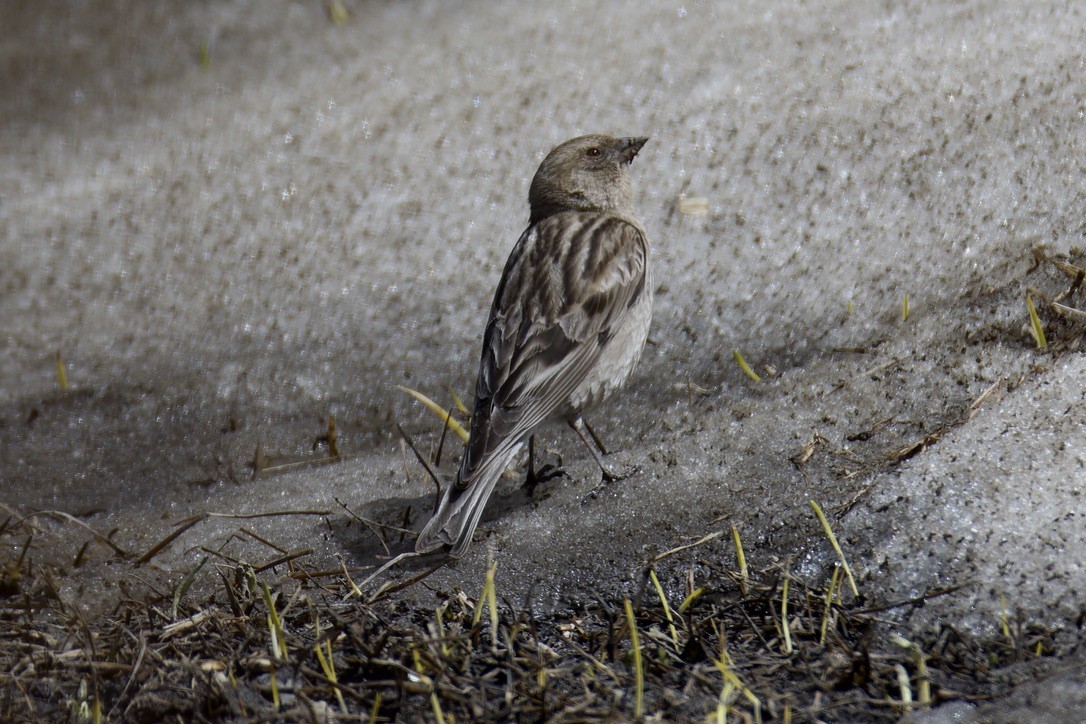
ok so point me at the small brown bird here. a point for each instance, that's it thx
(568, 323)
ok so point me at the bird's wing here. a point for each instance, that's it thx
(566, 289)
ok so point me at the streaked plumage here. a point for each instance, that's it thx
(567, 326)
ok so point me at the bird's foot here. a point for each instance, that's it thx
(544, 474)
(610, 474)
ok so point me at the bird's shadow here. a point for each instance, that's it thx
(375, 532)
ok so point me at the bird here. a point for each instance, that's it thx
(567, 326)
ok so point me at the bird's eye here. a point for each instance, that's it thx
(593, 152)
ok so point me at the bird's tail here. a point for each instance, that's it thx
(461, 507)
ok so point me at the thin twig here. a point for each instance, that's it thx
(421, 459)
(370, 525)
(701, 541)
(72, 519)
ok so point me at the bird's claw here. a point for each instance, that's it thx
(544, 474)
(610, 475)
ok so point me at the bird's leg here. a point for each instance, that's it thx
(595, 437)
(609, 475)
(545, 473)
(530, 479)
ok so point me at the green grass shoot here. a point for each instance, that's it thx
(488, 598)
(439, 716)
(744, 575)
(328, 666)
(275, 624)
(62, 373)
(183, 586)
(923, 678)
(745, 367)
(689, 600)
(724, 704)
(835, 581)
(435, 704)
(836, 546)
(904, 686)
(905, 308)
(1036, 329)
(274, 682)
(639, 672)
(667, 608)
(1004, 620)
(337, 12)
(458, 402)
(442, 413)
(439, 619)
(731, 679)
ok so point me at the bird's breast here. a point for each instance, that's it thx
(618, 358)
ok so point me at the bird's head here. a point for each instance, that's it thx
(587, 173)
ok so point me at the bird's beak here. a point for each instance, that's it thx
(627, 148)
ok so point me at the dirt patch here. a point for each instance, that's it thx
(293, 643)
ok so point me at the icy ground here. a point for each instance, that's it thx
(234, 219)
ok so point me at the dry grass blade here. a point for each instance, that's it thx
(186, 624)
(1074, 272)
(441, 440)
(261, 465)
(389, 587)
(158, 547)
(893, 362)
(786, 627)
(333, 443)
(370, 525)
(983, 397)
(183, 586)
(72, 519)
(271, 514)
(933, 437)
(693, 206)
(285, 558)
(446, 417)
(422, 461)
(701, 541)
(1069, 313)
